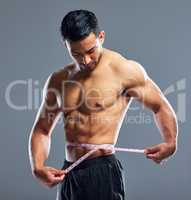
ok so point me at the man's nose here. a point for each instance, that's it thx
(86, 59)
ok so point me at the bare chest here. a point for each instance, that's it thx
(91, 94)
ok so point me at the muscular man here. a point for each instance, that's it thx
(93, 94)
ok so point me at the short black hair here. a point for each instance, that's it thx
(78, 24)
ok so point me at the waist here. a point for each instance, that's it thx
(104, 159)
(76, 150)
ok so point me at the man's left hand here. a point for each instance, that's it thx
(160, 152)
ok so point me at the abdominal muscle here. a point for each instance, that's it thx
(80, 128)
(101, 137)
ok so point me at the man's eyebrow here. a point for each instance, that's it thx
(92, 48)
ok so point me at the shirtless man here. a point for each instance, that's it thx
(93, 94)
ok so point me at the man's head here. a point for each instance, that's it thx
(83, 38)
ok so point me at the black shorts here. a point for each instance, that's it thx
(100, 178)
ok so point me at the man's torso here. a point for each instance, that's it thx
(93, 106)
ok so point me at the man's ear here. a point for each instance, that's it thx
(101, 36)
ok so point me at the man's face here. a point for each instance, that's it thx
(86, 53)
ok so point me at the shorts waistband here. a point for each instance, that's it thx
(92, 161)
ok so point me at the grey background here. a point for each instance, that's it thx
(155, 33)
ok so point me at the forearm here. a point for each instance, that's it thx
(167, 124)
(39, 147)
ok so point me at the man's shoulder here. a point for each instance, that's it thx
(119, 62)
(62, 74)
(127, 69)
(117, 59)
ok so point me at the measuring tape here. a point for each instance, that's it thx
(95, 147)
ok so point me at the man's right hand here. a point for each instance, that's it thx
(49, 176)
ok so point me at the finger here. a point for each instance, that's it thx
(56, 179)
(154, 158)
(59, 175)
(151, 150)
(151, 156)
(60, 172)
(62, 177)
(57, 172)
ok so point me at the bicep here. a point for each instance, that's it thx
(49, 109)
(149, 94)
(140, 86)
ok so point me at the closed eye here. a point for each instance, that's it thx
(91, 51)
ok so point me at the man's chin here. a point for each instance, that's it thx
(87, 67)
